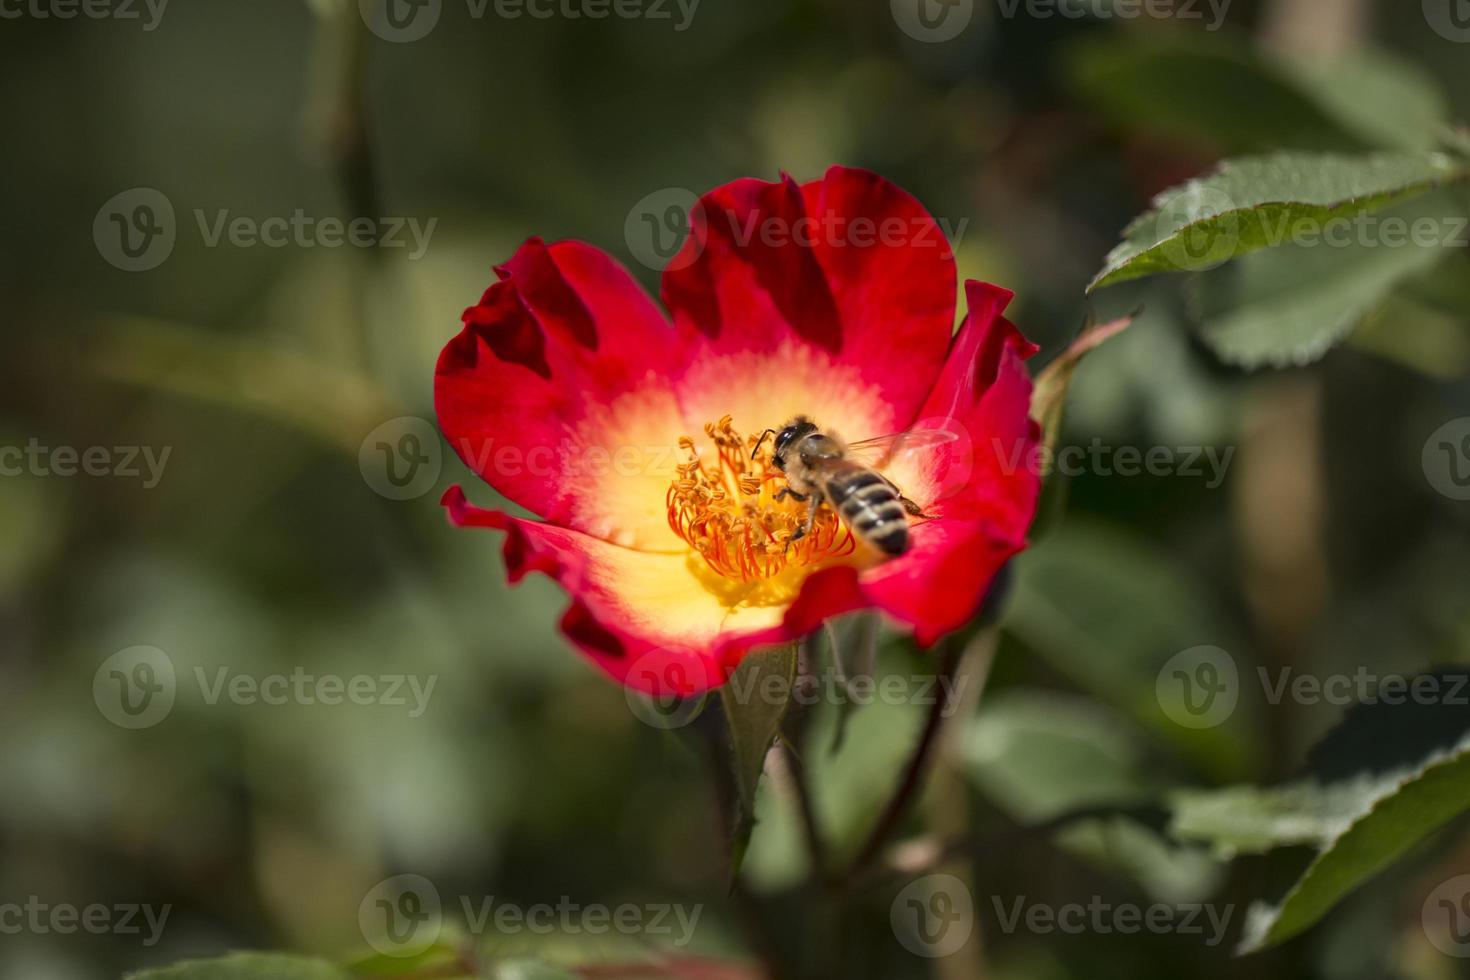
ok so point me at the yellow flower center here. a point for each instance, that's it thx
(726, 508)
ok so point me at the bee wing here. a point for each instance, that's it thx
(882, 450)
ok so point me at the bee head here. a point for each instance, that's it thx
(790, 433)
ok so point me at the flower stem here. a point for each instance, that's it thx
(903, 798)
(811, 827)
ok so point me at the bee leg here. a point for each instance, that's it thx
(812, 503)
(785, 492)
(914, 509)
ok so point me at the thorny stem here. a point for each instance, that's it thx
(787, 765)
(918, 764)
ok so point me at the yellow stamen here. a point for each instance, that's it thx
(726, 509)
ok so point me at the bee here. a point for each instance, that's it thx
(820, 468)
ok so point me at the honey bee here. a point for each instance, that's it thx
(820, 468)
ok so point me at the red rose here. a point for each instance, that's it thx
(569, 391)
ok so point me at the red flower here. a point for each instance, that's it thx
(570, 393)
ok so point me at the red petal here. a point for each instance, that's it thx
(984, 393)
(850, 266)
(974, 358)
(938, 586)
(643, 617)
(563, 365)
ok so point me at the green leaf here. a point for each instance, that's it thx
(438, 958)
(247, 966)
(1108, 610)
(1395, 770)
(1289, 304)
(1043, 756)
(1423, 340)
(1254, 819)
(1040, 755)
(755, 700)
(1167, 871)
(562, 950)
(1255, 202)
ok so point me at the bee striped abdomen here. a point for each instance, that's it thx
(869, 505)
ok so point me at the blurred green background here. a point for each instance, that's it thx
(266, 545)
